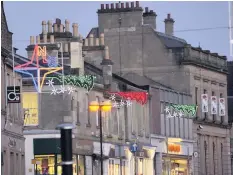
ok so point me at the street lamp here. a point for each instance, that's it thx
(95, 106)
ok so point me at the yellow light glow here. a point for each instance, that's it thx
(94, 106)
(106, 106)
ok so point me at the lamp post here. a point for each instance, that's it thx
(94, 107)
(66, 148)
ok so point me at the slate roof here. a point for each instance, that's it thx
(171, 41)
(167, 40)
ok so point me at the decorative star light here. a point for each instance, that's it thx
(128, 103)
(50, 82)
(62, 89)
(115, 104)
(175, 114)
(113, 97)
(180, 114)
(167, 109)
(54, 91)
(70, 90)
(122, 103)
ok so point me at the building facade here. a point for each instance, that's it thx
(136, 46)
(121, 127)
(230, 103)
(12, 147)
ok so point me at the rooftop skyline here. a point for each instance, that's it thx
(210, 17)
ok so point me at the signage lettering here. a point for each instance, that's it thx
(13, 94)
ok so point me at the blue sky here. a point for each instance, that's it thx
(27, 21)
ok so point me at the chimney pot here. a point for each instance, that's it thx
(137, 4)
(51, 39)
(117, 5)
(86, 42)
(112, 5)
(97, 42)
(50, 30)
(106, 53)
(102, 6)
(67, 25)
(45, 38)
(102, 39)
(91, 38)
(107, 6)
(58, 21)
(151, 11)
(168, 16)
(38, 39)
(122, 5)
(32, 40)
(127, 4)
(75, 29)
(55, 27)
(169, 25)
(147, 9)
(132, 4)
(43, 26)
(61, 28)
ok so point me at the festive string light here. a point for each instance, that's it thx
(86, 81)
(140, 97)
(180, 110)
(122, 103)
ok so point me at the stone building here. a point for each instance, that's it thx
(136, 46)
(230, 102)
(12, 140)
(44, 111)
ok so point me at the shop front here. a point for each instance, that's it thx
(177, 158)
(47, 156)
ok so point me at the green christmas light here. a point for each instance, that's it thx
(85, 81)
(185, 109)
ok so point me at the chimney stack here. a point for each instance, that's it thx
(45, 38)
(67, 25)
(38, 39)
(44, 27)
(75, 29)
(117, 5)
(149, 17)
(112, 5)
(107, 69)
(91, 40)
(102, 6)
(50, 26)
(107, 6)
(169, 25)
(122, 5)
(127, 4)
(137, 4)
(32, 41)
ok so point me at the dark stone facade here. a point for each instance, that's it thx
(6, 39)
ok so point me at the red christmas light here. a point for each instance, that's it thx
(140, 97)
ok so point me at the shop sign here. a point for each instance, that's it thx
(12, 142)
(13, 94)
(174, 148)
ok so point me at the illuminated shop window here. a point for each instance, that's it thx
(30, 106)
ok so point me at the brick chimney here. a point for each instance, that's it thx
(169, 25)
(107, 69)
(131, 15)
(149, 17)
